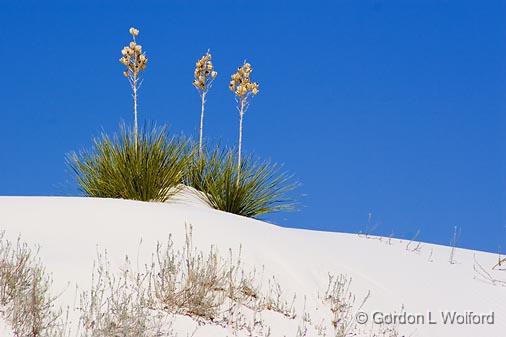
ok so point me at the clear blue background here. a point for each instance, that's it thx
(394, 108)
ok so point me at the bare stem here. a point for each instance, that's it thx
(241, 115)
(134, 88)
(203, 96)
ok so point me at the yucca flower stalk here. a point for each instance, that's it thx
(135, 61)
(204, 76)
(243, 88)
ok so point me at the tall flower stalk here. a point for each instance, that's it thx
(243, 89)
(135, 61)
(204, 76)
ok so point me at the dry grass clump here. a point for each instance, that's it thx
(209, 287)
(336, 314)
(119, 306)
(340, 301)
(492, 276)
(25, 300)
(188, 282)
(338, 317)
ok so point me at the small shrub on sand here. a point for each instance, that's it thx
(119, 305)
(150, 169)
(25, 300)
(256, 189)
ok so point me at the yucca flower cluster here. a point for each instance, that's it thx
(204, 73)
(241, 83)
(133, 58)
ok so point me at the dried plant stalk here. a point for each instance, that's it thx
(243, 88)
(204, 76)
(135, 61)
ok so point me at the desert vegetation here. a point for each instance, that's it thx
(243, 88)
(135, 61)
(204, 75)
(213, 290)
(261, 188)
(150, 165)
(185, 281)
(209, 288)
(26, 302)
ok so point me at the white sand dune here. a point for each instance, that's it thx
(69, 230)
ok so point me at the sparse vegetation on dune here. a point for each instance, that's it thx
(212, 290)
(207, 287)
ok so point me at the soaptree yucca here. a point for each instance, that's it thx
(147, 165)
(253, 190)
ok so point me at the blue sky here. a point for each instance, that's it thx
(394, 108)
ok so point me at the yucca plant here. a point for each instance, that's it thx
(147, 165)
(257, 189)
